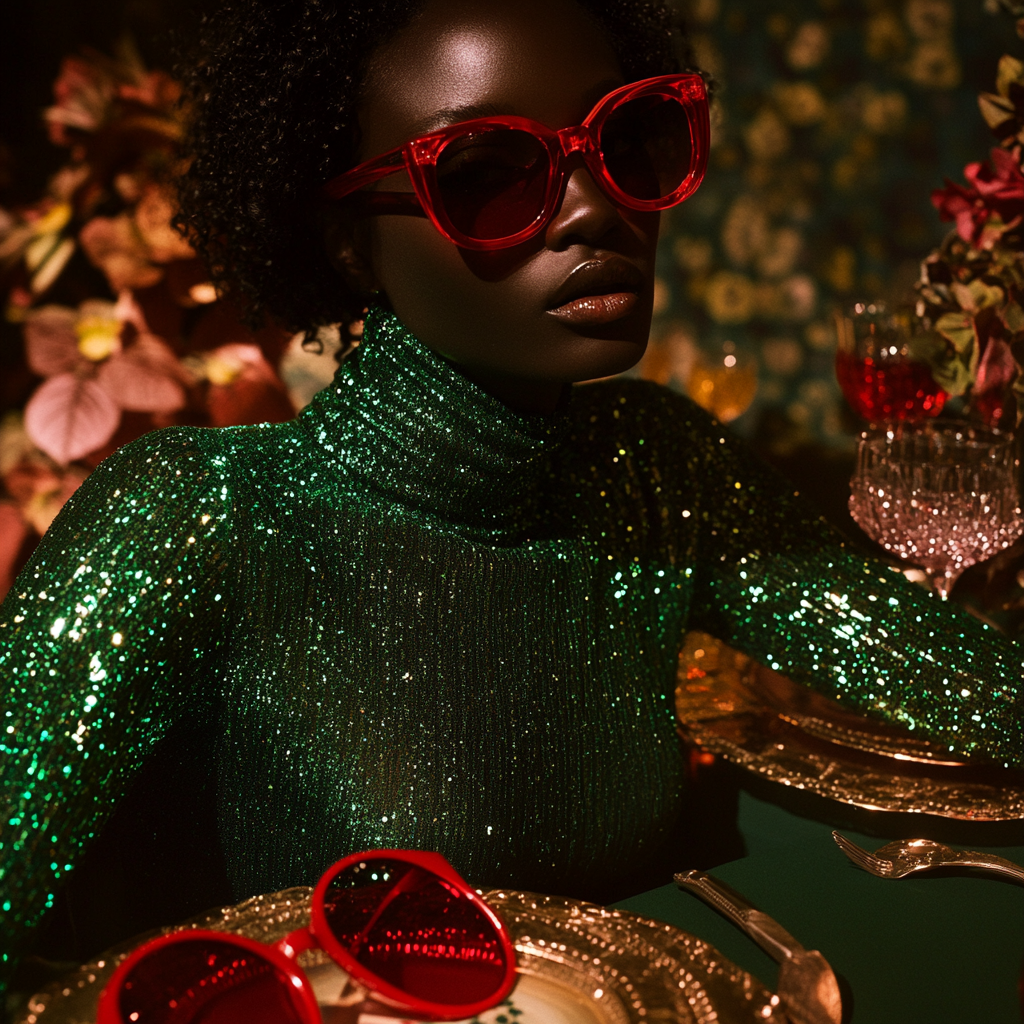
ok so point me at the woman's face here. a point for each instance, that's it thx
(505, 317)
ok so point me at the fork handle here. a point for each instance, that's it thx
(991, 862)
(764, 930)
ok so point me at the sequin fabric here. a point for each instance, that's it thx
(421, 620)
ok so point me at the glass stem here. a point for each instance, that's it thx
(942, 582)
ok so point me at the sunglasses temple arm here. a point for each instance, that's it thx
(365, 174)
(370, 203)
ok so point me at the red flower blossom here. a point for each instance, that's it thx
(994, 203)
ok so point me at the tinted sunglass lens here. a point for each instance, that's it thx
(416, 931)
(206, 982)
(492, 183)
(646, 146)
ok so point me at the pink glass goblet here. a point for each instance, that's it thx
(940, 494)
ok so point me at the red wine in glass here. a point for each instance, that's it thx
(889, 389)
(878, 375)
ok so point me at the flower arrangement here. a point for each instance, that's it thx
(117, 326)
(971, 291)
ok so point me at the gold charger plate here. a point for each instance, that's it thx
(578, 964)
(731, 706)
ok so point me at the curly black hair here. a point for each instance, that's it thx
(273, 87)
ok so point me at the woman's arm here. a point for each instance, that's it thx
(109, 633)
(781, 585)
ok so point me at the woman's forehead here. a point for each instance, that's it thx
(544, 59)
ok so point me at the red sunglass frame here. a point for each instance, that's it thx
(282, 954)
(418, 158)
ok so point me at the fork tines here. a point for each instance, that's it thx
(862, 858)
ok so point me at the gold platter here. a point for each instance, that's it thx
(733, 707)
(578, 964)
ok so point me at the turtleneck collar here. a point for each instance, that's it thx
(420, 441)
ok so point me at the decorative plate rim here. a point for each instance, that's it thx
(722, 709)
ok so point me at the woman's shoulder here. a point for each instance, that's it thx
(633, 408)
(164, 455)
(185, 465)
(180, 450)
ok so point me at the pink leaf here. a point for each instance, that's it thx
(251, 393)
(996, 371)
(13, 531)
(113, 244)
(153, 216)
(70, 416)
(996, 368)
(145, 377)
(51, 344)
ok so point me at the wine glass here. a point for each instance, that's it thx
(940, 494)
(876, 369)
(723, 379)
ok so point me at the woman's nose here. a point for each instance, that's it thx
(586, 215)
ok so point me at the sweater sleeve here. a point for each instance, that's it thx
(780, 584)
(113, 631)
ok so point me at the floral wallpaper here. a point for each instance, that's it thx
(833, 121)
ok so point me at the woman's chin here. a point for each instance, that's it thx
(596, 358)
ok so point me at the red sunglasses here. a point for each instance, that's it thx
(496, 181)
(402, 924)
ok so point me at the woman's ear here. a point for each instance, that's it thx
(347, 248)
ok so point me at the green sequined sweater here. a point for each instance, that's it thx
(417, 619)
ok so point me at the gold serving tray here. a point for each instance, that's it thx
(731, 706)
(578, 964)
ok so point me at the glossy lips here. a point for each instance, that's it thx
(597, 292)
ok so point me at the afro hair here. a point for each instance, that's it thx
(272, 88)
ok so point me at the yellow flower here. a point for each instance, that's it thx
(884, 36)
(98, 330)
(798, 297)
(808, 47)
(746, 231)
(780, 255)
(783, 356)
(693, 254)
(730, 297)
(841, 269)
(767, 136)
(930, 19)
(55, 219)
(221, 371)
(884, 113)
(800, 102)
(934, 65)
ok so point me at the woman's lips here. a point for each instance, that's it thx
(592, 310)
(599, 291)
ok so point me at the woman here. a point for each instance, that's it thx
(441, 609)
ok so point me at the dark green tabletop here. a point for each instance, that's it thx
(923, 950)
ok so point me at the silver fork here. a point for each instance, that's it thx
(908, 856)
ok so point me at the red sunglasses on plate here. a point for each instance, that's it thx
(402, 924)
(496, 181)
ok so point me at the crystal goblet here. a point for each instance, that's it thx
(939, 494)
